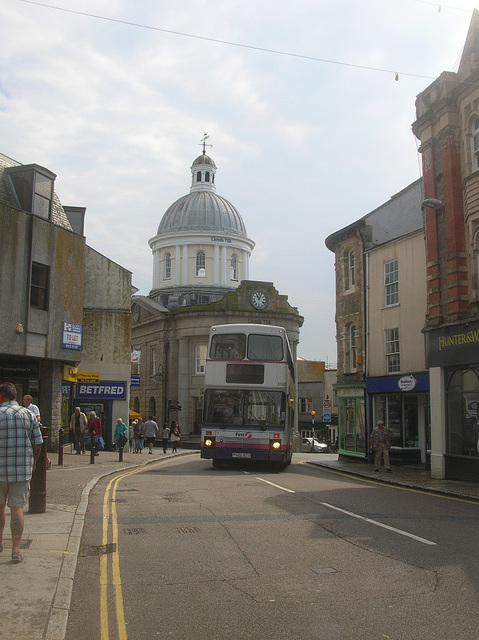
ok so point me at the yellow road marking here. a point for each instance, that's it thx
(109, 504)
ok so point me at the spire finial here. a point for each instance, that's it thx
(203, 142)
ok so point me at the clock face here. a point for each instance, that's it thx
(258, 299)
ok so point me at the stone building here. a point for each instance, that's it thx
(201, 258)
(447, 125)
(64, 309)
(380, 310)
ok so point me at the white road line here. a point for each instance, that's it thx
(380, 524)
(276, 485)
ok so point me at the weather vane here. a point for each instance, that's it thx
(203, 142)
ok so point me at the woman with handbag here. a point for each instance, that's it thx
(175, 436)
(94, 428)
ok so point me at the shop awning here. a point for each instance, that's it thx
(134, 415)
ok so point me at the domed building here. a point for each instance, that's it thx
(201, 255)
(201, 250)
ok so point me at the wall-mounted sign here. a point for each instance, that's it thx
(135, 381)
(107, 390)
(71, 336)
(407, 383)
(88, 376)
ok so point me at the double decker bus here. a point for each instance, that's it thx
(248, 410)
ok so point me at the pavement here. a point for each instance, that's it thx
(36, 594)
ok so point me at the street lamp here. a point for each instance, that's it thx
(313, 413)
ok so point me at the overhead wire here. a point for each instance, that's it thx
(290, 54)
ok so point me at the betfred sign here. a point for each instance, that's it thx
(107, 390)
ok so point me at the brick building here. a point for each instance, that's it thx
(447, 126)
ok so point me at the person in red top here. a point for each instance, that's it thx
(94, 428)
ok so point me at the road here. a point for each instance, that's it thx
(181, 550)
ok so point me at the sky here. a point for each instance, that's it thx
(308, 107)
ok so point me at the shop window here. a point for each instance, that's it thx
(353, 435)
(391, 347)
(462, 411)
(39, 286)
(391, 283)
(167, 266)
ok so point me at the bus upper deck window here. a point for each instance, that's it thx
(231, 346)
(266, 348)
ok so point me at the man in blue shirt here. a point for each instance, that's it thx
(20, 445)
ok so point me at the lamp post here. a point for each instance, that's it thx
(313, 413)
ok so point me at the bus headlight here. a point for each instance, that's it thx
(209, 442)
(275, 444)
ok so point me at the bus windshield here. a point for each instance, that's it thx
(245, 407)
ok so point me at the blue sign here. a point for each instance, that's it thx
(135, 381)
(326, 417)
(71, 336)
(107, 390)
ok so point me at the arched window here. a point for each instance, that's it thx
(207, 176)
(234, 267)
(198, 176)
(167, 266)
(136, 404)
(475, 143)
(152, 407)
(200, 264)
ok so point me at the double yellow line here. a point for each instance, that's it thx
(110, 517)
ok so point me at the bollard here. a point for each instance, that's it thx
(92, 447)
(38, 485)
(60, 447)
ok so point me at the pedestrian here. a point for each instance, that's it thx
(131, 437)
(20, 445)
(138, 431)
(94, 429)
(175, 435)
(150, 432)
(27, 402)
(381, 444)
(121, 433)
(79, 424)
(165, 434)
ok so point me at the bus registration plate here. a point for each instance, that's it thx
(241, 455)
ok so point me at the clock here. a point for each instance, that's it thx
(258, 299)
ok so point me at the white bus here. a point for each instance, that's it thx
(249, 395)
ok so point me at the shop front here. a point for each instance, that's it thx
(108, 399)
(352, 431)
(452, 353)
(402, 403)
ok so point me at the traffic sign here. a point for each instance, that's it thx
(327, 405)
(326, 417)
